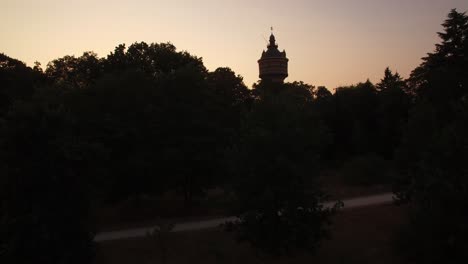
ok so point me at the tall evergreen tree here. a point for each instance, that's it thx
(441, 78)
(392, 111)
(433, 155)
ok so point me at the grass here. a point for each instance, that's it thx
(363, 235)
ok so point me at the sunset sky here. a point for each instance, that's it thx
(329, 42)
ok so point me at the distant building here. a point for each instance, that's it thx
(273, 64)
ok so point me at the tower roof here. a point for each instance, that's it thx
(272, 51)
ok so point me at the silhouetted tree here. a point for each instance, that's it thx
(163, 119)
(71, 72)
(230, 100)
(277, 153)
(119, 115)
(441, 78)
(433, 154)
(322, 93)
(390, 81)
(392, 112)
(17, 82)
(355, 122)
(324, 107)
(44, 215)
(155, 59)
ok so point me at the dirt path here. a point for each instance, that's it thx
(190, 226)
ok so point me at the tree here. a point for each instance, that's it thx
(163, 119)
(392, 112)
(229, 87)
(437, 74)
(355, 121)
(390, 81)
(229, 101)
(322, 93)
(281, 140)
(17, 82)
(433, 154)
(155, 59)
(72, 72)
(44, 215)
(189, 133)
(434, 180)
(119, 114)
(441, 77)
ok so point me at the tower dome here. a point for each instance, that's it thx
(273, 64)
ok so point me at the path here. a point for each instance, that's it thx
(190, 226)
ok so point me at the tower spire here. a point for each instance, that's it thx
(272, 40)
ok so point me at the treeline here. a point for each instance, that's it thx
(148, 119)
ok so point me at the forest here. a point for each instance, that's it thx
(86, 133)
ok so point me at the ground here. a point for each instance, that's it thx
(364, 235)
(148, 211)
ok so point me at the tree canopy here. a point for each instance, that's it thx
(434, 150)
(148, 120)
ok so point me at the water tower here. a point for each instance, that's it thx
(273, 64)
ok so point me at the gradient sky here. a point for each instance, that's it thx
(329, 42)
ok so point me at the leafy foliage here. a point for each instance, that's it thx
(143, 121)
(44, 210)
(148, 119)
(434, 150)
(278, 149)
(18, 82)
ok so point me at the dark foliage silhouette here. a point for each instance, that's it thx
(148, 119)
(17, 82)
(277, 152)
(44, 210)
(433, 154)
